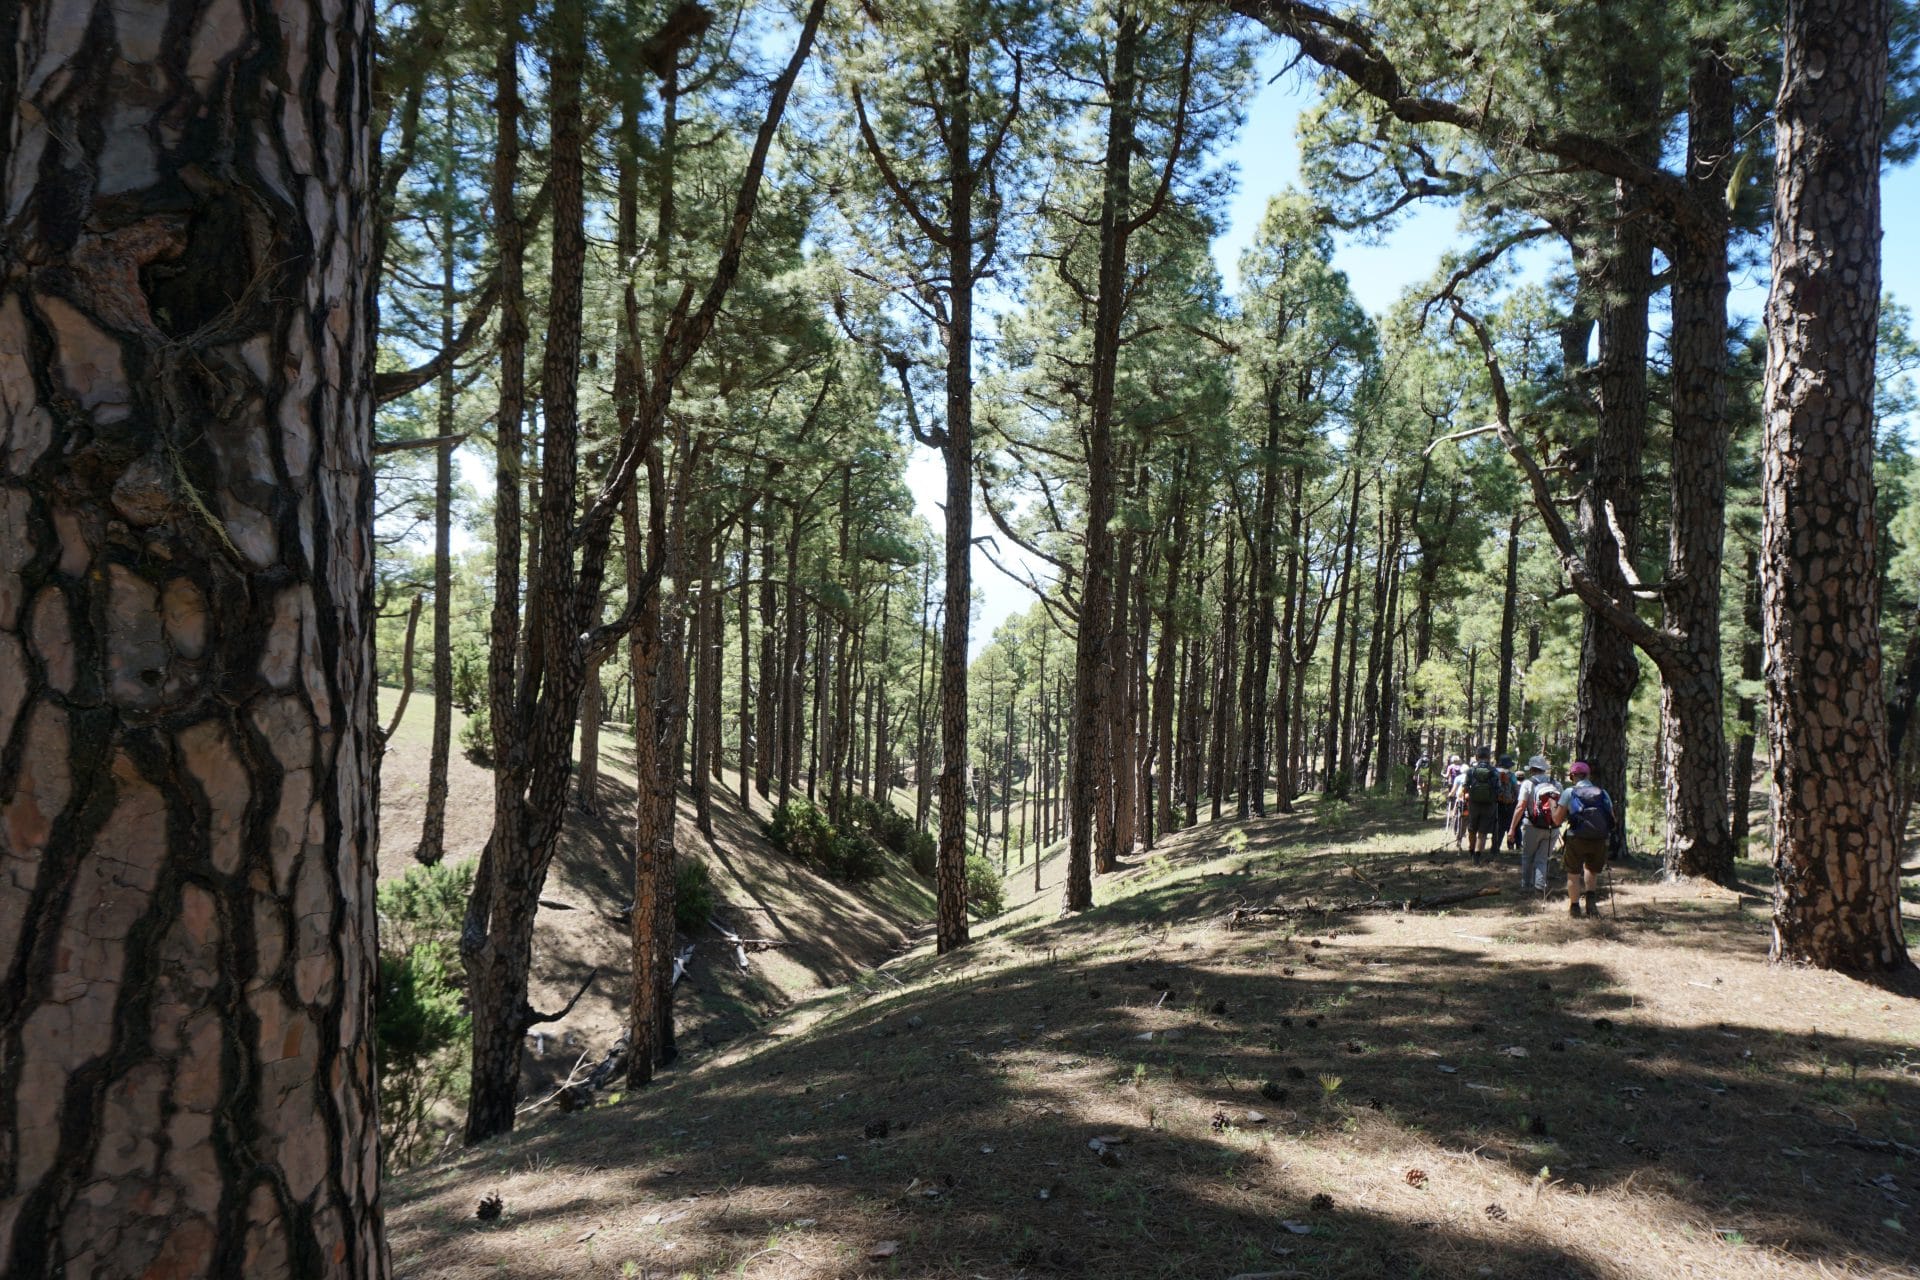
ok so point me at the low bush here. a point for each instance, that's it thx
(923, 852)
(802, 830)
(986, 895)
(856, 857)
(693, 895)
(420, 1025)
(476, 734)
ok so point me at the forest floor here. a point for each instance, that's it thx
(1490, 1089)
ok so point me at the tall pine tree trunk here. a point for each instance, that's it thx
(1692, 721)
(1740, 784)
(531, 782)
(433, 821)
(1609, 667)
(1837, 903)
(1093, 657)
(1334, 783)
(186, 679)
(772, 686)
(962, 182)
(1509, 608)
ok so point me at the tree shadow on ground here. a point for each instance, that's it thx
(938, 1116)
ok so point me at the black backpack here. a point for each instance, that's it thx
(1481, 781)
(1592, 819)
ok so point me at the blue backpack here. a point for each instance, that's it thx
(1589, 812)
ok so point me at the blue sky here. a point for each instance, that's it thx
(1266, 155)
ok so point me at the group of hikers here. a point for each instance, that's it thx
(1488, 801)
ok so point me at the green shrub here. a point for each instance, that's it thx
(469, 663)
(923, 851)
(801, 830)
(986, 895)
(895, 829)
(856, 856)
(419, 1026)
(693, 895)
(476, 734)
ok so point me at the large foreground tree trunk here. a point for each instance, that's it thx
(187, 834)
(1837, 901)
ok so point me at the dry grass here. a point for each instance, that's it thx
(1677, 1108)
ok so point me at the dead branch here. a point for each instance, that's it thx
(1376, 903)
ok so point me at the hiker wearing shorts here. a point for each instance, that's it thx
(1587, 812)
(1533, 827)
(1481, 786)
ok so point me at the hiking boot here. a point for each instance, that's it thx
(1593, 903)
(1573, 908)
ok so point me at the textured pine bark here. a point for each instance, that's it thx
(950, 871)
(1836, 902)
(187, 741)
(1609, 667)
(1692, 723)
(1122, 741)
(1509, 606)
(433, 821)
(1740, 780)
(1164, 664)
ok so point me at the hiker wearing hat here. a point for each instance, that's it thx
(1587, 811)
(1533, 827)
(1480, 784)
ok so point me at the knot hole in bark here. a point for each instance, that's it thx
(212, 278)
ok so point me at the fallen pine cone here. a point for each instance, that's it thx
(877, 1129)
(490, 1207)
(1322, 1203)
(1417, 1178)
(1273, 1091)
(1496, 1213)
(1220, 1121)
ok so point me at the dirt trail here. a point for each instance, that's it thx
(1490, 1090)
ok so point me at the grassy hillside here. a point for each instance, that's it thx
(1489, 1090)
(830, 933)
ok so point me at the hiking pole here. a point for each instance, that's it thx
(1613, 907)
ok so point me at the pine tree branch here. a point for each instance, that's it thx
(1591, 590)
(1353, 51)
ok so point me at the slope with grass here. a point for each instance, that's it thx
(827, 933)
(1490, 1090)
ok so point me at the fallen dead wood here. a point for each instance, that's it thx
(743, 946)
(1424, 903)
(1880, 1146)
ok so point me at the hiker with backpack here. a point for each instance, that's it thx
(1480, 785)
(1533, 828)
(1456, 806)
(1506, 797)
(1587, 811)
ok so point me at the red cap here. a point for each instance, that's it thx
(1580, 769)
